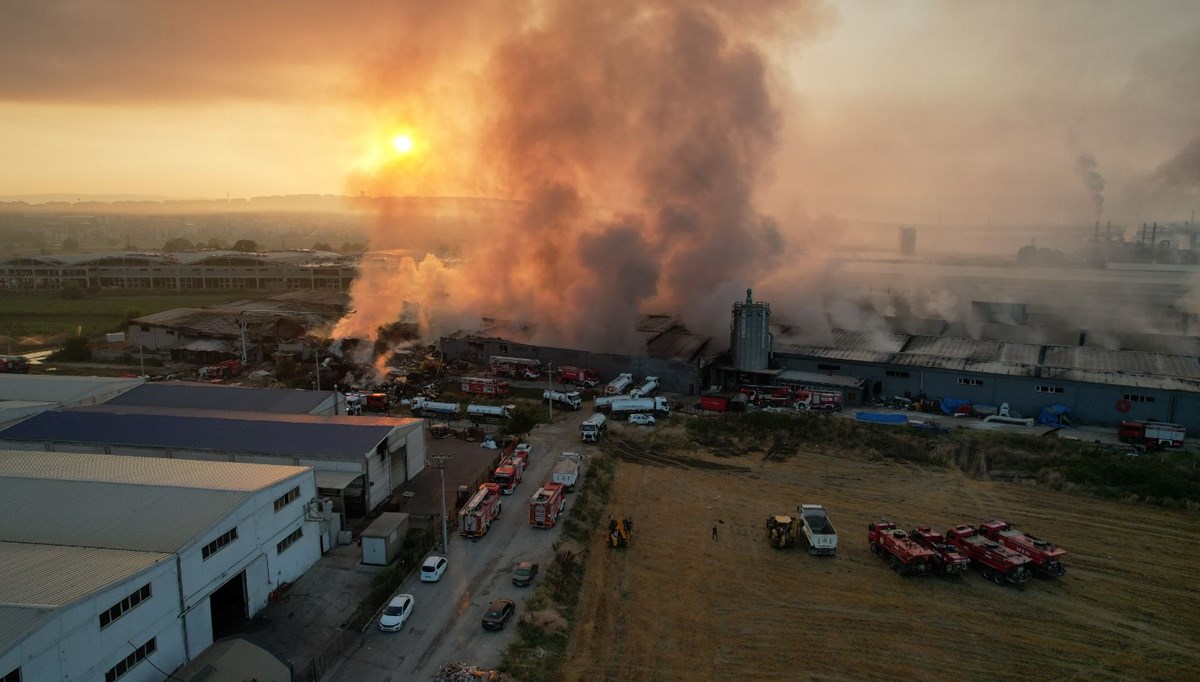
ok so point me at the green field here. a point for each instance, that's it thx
(40, 319)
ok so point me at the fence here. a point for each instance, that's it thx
(346, 641)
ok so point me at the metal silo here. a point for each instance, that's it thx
(750, 335)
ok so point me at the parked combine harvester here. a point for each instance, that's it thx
(516, 368)
(475, 518)
(996, 562)
(1045, 556)
(569, 400)
(782, 531)
(578, 376)
(904, 555)
(511, 469)
(647, 388)
(546, 504)
(621, 409)
(619, 385)
(485, 386)
(619, 533)
(946, 557)
(489, 414)
(818, 530)
(422, 407)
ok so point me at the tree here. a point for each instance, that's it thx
(71, 291)
(520, 421)
(178, 244)
(70, 245)
(74, 349)
(322, 246)
(215, 243)
(245, 245)
(351, 247)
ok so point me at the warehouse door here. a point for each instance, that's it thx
(228, 605)
(398, 466)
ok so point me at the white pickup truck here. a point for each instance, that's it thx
(818, 530)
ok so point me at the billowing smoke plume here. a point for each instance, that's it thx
(1085, 168)
(1183, 170)
(635, 134)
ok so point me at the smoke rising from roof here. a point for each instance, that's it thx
(637, 135)
(1086, 169)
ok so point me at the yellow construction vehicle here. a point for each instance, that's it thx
(782, 531)
(619, 532)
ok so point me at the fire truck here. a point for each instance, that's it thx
(546, 504)
(475, 518)
(485, 386)
(996, 562)
(1151, 433)
(511, 470)
(14, 364)
(904, 555)
(1046, 556)
(516, 368)
(580, 376)
(946, 558)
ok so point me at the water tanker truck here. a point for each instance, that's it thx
(422, 407)
(488, 414)
(621, 409)
(567, 399)
(619, 385)
(646, 389)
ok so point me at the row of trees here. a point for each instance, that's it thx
(249, 246)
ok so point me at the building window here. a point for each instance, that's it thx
(503, 348)
(140, 654)
(117, 610)
(287, 498)
(830, 368)
(290, 540)
(219, 544)
(897, 373)
(1048, 389)
(1134, 398)
(14, 676)
(971, 382)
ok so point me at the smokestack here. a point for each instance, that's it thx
(1154, 235)
(1142, 239)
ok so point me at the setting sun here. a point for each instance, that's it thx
(402, 143)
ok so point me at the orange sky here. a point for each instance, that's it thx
(897, 111)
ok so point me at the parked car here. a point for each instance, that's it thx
(642, 419)
(433, 568)
(396, 612)
(498, 613)
(524, 573)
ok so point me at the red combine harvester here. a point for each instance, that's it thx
(485, 386)
(1046, 556)
(475, 519)
(905, 556)
(511, 469)
(546, 504)
(580, 376)
(996, 562)
(946, 558)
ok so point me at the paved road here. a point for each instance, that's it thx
(445, 625)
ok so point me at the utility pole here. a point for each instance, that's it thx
(142, 359)
(550, 387)
(317, 357)
(441, 465)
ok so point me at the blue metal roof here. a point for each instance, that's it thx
(237, 398)
(300, 436)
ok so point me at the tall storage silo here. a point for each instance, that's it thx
(750, 335)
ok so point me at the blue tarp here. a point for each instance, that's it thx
(952, 405)
(1055, 416)
(881, 418)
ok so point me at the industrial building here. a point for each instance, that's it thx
(183, 271)
(182, 395)
(22, 395)
(118, 567)
(358, 461)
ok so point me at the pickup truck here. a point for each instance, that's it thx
(818, 530)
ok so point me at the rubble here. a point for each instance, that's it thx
(461, 672)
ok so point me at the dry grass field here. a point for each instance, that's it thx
(676, 605)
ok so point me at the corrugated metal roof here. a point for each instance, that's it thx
(879, 341)
(1130, 362)
(1120, 379)
(1150, 343)
(48, 576)
(824, 352)
(655, 324)
(144, 518)
(963, 364)
(152, 471)
(209, 397)
(973, 349)
(61, 390)
(676, 345)
(250, 432)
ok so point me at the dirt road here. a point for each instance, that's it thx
(679, 605)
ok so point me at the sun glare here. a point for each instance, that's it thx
(402, 144)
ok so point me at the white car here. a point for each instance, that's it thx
(642, 419)
(396, 612)
(433, 568)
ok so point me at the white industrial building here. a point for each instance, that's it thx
(117, 567)
(22, 395)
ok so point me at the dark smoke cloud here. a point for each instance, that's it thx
(1183, 170)
(1086, 169)
(638, 133)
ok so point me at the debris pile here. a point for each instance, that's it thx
(461, 672)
